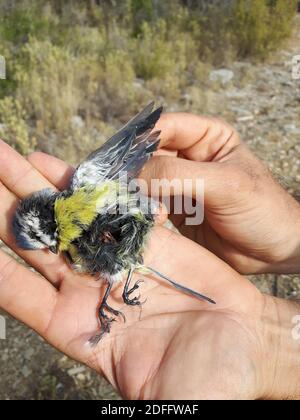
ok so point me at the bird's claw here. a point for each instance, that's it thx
(136, 300)
(105, 322)
(109, 309)
(105, 329)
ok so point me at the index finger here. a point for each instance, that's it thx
(18, 175)
(18, 178)
(196, 137)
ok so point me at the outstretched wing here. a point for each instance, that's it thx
(126, 152)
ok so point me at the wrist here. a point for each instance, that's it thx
(286, 260)
(280, 362)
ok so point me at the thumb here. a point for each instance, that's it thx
(164, 175)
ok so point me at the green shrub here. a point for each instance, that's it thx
(76, 70)
(23, 19)
(241, 28)
(260, 26)
(153, 54)
(13, 126)
(46, 83)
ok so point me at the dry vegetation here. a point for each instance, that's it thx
(77, 69)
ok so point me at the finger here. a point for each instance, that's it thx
(17, 174)
(25, 295)
(166, 152)
(168, 176)
(53, 169)
(196, 137)
(49, 265)
(22, 182)
(161, 214)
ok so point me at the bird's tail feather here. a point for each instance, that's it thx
(178, 286)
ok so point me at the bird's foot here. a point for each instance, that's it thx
(105, 322)
(105, 329)
(104, 318)
(132, 301)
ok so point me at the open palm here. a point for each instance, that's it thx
(175, 346)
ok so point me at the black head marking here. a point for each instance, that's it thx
(34, 223)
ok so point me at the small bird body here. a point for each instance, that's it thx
(74, 213)
(99, 223)
(94, 236)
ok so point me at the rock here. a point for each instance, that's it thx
(138, 83)
(292, 129)
(77, 121)
(245, 118)
(4, 357)
(76, 370)
(29, 353)
(223, 76)
(59, 387)
(26, 371)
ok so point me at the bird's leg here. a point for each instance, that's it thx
(127, 292)
(105, 321)
(105, 306)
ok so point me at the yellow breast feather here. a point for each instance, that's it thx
(74, 213)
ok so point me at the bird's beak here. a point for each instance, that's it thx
(54, 249)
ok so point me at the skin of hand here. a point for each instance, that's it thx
(177, 346)
(251, 222)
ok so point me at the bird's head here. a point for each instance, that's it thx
(34, 224)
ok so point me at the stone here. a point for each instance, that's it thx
(26, 372)
(77, 121)
(76, 370)
(223, 76)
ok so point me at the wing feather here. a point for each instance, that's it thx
(127, 151)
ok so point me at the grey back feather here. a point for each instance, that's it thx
(125, 152)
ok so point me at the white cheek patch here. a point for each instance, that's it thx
(32, 224)
(33, 243)
(46, 239)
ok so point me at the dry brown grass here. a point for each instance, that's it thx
(77, 70)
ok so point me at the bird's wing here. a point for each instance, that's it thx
(126, 152)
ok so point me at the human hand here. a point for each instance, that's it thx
(178, 347)
(251, 222)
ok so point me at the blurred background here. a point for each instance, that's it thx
(77, 70)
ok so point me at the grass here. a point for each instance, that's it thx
(77, 69)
